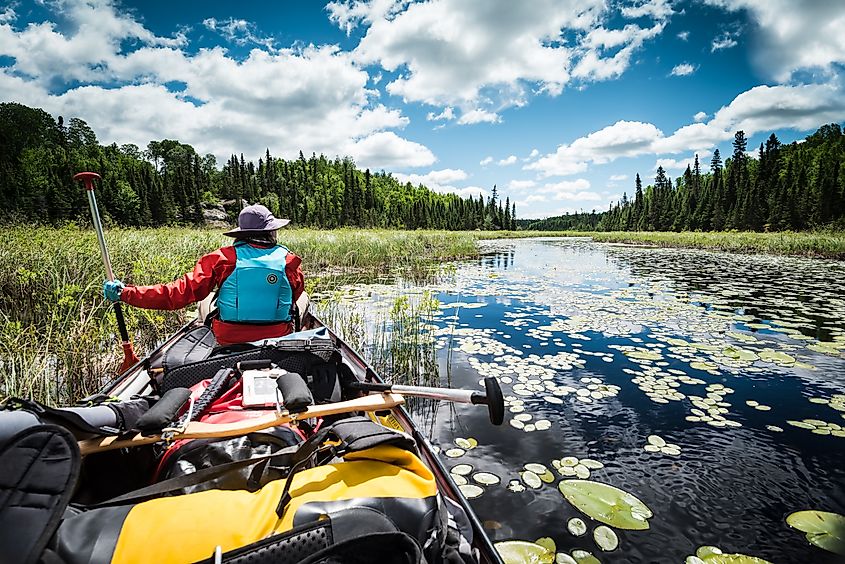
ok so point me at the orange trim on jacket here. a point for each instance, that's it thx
(209, 273)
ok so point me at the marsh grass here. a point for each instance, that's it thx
(827, 244)
(57, 333)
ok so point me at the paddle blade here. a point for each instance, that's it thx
(129, 358)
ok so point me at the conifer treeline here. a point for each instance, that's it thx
(786, 187)
(169, 183)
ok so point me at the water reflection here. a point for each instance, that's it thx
(610, 344)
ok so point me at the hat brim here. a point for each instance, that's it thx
(274, 225)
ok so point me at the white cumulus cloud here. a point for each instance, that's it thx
(273, 98)
(684, 69)
(507, 161)
(793, 35)
(760, 109)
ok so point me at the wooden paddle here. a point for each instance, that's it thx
(199, 430)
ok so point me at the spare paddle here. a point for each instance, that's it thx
(199, 430)
(129, 356)
(492, 397)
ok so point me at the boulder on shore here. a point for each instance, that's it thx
(215, 216)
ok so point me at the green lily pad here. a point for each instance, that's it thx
(707, 551)
(486, 478)
(563, 558)
(824, 529)
(656, 441)
(607, 504)
(734, 559)
(644, 355)
(462, 469)
(577, 526)
(548, 543)
(605, 538)
(524, 552)
(777, 357)
(536, 468)
(585, 557)
(470, 491)
(531, 479)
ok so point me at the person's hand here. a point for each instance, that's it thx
(112, 289)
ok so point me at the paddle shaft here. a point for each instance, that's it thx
(104, 253)
(199, 430)
(445, 394)
(491, 397)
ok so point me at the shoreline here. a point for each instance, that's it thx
(807, 244)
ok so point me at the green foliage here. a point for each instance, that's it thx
(787, 187)
(168, 183)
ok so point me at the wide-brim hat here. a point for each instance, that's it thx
(256, 220)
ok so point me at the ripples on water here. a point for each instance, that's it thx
(664, 325)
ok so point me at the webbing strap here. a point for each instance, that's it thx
(192, 479)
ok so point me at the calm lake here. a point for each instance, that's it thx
(708, 385)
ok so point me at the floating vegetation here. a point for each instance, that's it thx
(455, 452)
(584, 557)
(824, 529)
(516, 486)
(657, 443)
(607, 504)
(466, 444)
(524, 552)
(714, 555)
(462, 469)
(486, 478)
(531, 479)
(819, 427)
(471, 491)
(576, 526)
(580, 351)
(605, 538)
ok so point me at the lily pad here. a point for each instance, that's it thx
(462, 469)
(576, 526)
(470, 491)
(563, 558)
(536, 468)
(486, 478)
(463, 443)
(824, 529)
(455, 452)
(548, 543)
(607, 504)
(605, 538)
(584, 557)
(531, 479)
(656, 441)
(524, 552)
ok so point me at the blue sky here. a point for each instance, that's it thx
(557, 102)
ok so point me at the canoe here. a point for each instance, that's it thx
(136, 381)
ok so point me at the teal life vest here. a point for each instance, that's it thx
(258, 290)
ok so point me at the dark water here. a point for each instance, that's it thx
(572, 304)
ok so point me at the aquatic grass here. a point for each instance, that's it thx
(57, 333)
(828, 244)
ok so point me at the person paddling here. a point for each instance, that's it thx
(258, 280)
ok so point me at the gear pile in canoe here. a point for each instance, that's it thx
(289, 450)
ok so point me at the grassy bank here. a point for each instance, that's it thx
(57, 333)
(828, 244)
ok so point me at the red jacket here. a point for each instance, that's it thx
(209, 273)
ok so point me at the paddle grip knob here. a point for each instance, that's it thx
(87, 178)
